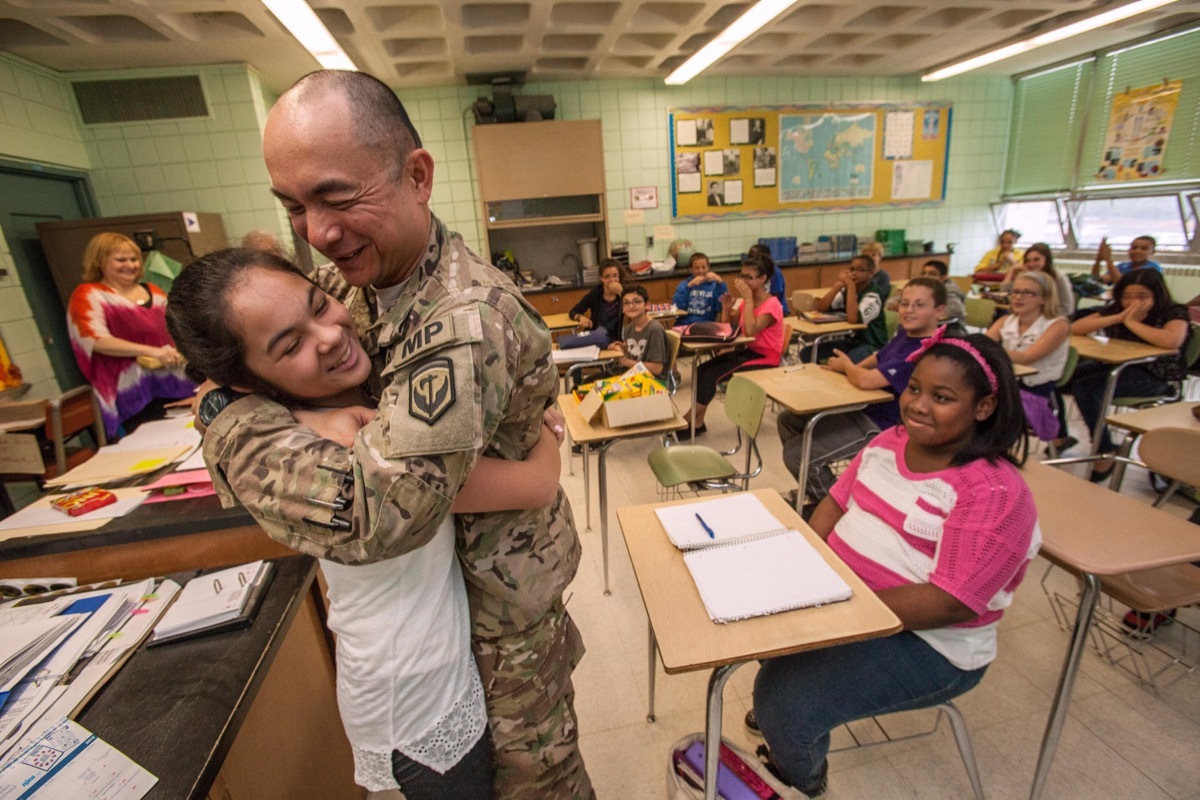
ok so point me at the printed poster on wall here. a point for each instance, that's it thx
(1138, 128)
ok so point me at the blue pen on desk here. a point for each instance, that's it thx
(711, 533)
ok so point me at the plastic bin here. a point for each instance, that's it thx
(892, 240)
(783, 248)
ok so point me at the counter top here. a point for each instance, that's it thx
(176, 709)
(727, 265)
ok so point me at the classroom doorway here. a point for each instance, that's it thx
(28, 197)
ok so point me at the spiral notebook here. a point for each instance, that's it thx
(752, 565)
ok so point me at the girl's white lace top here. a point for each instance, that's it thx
(406, 679)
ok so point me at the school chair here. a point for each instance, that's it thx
(1056, 401)
(68, 419)
(1191, 354)
(893, 322)
(980, 312)
(963, 282)
(670, 377)
(703, 468)
(958, 725)
(1154, 593)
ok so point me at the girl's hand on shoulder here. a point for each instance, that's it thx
(339, 425)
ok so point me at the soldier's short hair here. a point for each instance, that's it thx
(377, 116)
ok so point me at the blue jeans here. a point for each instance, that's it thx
(799, 699)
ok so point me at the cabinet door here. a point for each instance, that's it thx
(539, 159)
(555, 302)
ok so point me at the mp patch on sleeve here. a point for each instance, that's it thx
(431, 390)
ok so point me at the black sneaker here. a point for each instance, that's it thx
(752, 726)
(816, 791)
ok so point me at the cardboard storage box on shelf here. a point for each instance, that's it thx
(621, 410)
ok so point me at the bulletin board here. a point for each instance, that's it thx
(748, 161)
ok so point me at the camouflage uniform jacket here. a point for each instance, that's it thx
(465, 370)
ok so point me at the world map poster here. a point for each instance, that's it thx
(827, 156)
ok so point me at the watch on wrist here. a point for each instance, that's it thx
(214, 402)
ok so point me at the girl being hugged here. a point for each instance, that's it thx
(1141, 311)
(935, 517)
(408, 690)
(755, 312)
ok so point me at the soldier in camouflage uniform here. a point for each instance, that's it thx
(464, 369)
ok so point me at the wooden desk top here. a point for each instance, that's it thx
(1171, 415)
(584, 433)
(808, 388)
(1021, 370)
(688, 640)
(1115, 351)
(176, 709)
(804, 326)
(704, 347)
(1094, 529)
(559, 322)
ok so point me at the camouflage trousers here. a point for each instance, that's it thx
(530, 701)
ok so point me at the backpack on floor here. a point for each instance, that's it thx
(741, 788)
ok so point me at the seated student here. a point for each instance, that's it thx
(922, 304)
(1036, 335)
(1003, 257)
(934, 516)
(757, 313)
(601, 306)
(1140, 250)
(854, 293)
(778, 286)
(1141, 311)
(1038, 258)
(880, 276)
(699, 297)
(643, 339)
(956, 298)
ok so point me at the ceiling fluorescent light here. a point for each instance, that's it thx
(302, 23)
(743, 27)
(1049, 37)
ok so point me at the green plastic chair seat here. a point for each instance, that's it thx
(675, 466)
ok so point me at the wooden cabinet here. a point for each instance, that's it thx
(542, 189)
(555, 302)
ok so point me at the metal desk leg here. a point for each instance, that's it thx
(587, 491)
(602, 481)
(692, 413)
(1118, 471)
(653, 652)
(1066, 682)
(712, 727)
(806, 449)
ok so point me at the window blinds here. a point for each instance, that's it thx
(1062, 114)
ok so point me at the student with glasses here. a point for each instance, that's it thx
(856, 292)
(756, 313)
(643, 339)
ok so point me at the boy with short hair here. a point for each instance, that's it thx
(699, 297)
(642, 339)
(858, 295)
(956, 299)
(1140, 250)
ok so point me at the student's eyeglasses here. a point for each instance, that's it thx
(749, 277)
(632, 301)
(1024, 293)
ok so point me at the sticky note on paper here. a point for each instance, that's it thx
(147, 465)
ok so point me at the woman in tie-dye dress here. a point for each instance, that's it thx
(114, 318)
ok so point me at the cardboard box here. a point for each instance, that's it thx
(628, 411)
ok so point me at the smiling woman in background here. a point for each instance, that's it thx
(113, 317)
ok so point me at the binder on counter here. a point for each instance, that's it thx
(745, 563)
(214, 602)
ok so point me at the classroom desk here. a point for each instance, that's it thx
(695, 350)
(596, 434)
(559, 322)
(815, 332)
(811, 391)
(1077, 520)
(248, 713)
(1119, 354)
(1169, 415)
(687, 640)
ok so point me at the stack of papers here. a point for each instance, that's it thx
(152, 446)
(215, 601)
(67, 761)
(575, 354)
